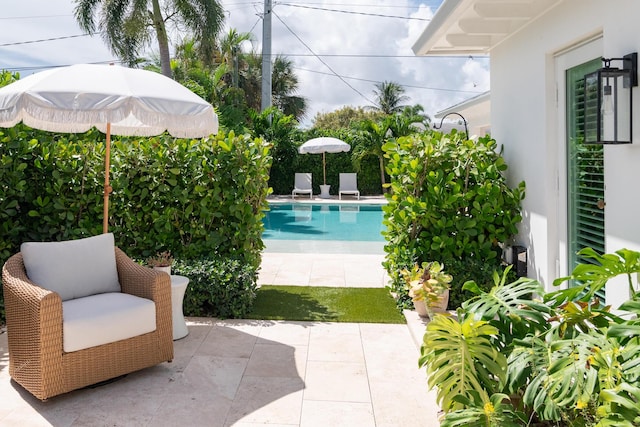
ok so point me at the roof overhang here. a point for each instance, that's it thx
(474, 27)
(471, 105)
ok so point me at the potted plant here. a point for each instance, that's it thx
(161, 261)
(428, 287)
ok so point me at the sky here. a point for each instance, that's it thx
(340, 49)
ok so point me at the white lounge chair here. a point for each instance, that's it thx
(348, 185)
(302, 185)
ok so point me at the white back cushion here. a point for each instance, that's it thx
(75, 268)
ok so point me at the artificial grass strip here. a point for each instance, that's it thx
(325, 304)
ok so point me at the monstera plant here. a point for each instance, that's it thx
(516, 355)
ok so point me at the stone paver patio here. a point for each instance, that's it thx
(248, 373)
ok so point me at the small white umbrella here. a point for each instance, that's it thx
(118, 100)
(324, 144)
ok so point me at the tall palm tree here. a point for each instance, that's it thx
(128, 26)
(369, 140)
(390, 98)
(231, 54)
(412, 119)
(283, 88)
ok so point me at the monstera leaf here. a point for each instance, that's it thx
(589, 278)
(498, 412)
(511, 307)
(462, 361)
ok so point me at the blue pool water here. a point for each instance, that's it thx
(349, 223)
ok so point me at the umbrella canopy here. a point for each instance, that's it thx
(324, 145)
(118, 100)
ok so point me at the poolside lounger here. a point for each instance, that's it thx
(348, 185)
(302, 185)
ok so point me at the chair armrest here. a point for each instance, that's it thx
(144, 282)
(141, 281)
(34, 323)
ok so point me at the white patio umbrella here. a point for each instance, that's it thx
(324, 144)
(116, 100)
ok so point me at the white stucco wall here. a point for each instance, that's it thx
(526, 119)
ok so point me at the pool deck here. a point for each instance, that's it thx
(316, 199)
(249, 373)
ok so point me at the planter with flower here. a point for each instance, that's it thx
(428, 286)
(161, 261)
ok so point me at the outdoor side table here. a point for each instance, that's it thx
(178, 287)
(324, 191)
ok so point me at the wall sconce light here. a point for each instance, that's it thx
(516, 255)
(608, 102)
(466, 130)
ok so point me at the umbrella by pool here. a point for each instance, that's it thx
(324, 145)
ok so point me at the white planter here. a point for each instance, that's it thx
(165, 269)
(324, 191)
(439, 307)
(421, 308)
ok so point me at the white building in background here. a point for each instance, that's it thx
(540, 51)
(476, 111)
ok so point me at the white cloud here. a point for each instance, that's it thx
(435, 83)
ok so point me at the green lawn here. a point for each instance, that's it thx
(325, 304)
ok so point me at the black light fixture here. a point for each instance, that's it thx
(608, 102)
(466, 130)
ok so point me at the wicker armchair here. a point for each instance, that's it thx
(37, 360)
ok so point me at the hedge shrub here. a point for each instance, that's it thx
(195, 198)
(218, 287)
(449, 200)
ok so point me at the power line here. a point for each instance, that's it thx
(364, 55)
(44, 40)
(403, 85)
(47, 67)
(33, 17)
(354, 13)
(320, 59)
(434, 2)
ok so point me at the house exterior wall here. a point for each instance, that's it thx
(527, 116)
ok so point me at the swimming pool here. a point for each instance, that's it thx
(345, 223)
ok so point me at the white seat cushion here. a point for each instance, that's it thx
(75, 268)
(105, 318)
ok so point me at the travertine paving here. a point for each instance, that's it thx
(248, 373)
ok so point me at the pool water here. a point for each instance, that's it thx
(351, 223)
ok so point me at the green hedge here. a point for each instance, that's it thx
(195, 198)
(449, 201)
(218, 287)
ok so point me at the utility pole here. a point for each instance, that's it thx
(266, 56)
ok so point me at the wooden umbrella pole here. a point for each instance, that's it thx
(324, 170)
(107, 187)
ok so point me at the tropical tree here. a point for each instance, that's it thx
(372, 135)
(7, 77)
(280, 131)
(411, 120)
(344, 118)
(284, 88)
(128, 26)
(230, 53)
(369, 140)
(284, 85)
(390, 98)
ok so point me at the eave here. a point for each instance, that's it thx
(474, 27)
